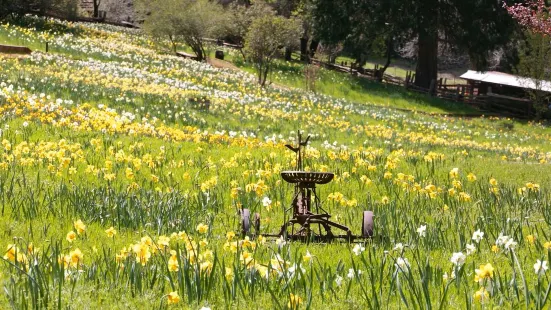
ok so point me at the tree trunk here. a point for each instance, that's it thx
(427, 58)
(174, 47)
(303, 49)
(264, 75)
(361, 60)
(199, 53)
(427, 55)
(313, 47)
(288, 54)
(379, 74)
(260, 71)
(96, 8)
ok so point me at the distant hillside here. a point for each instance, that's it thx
(117, 10)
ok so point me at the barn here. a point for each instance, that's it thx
(505, 91)
(494, 82)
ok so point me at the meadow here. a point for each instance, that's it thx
(120, 190)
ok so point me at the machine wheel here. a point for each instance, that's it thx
(245, 222)
(367, 224)
(257, 223)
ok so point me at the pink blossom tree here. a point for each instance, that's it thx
(532, 14)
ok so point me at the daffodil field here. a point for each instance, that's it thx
(123, 170)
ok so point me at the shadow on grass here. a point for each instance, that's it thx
(362, 85)
(361, 90)
(44, 25)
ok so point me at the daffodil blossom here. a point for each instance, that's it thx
(540, 267)
(399, 247)
(458, 258)
(358, 249)
(422, 231)
(266, 202)
(470, 248)
(338, 280)
(402, 264)
(477, 236)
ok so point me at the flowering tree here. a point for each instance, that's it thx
(533, 14)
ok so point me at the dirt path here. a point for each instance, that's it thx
(222, 64)
(13, 56)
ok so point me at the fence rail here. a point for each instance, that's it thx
(464, 93)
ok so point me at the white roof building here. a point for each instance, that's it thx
(500, 78)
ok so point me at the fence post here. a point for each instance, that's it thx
(432, 88)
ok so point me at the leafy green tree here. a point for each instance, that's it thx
(190, 21)
(535, 61)
(265, 38)
(15, 7)
(477, 27)
(364, 27)
(474, 26)
(18, 8)
(241, 16)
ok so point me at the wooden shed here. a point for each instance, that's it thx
(494, 82)
(505, 91)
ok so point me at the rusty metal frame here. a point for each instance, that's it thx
(307, 211)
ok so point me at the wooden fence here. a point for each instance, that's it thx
(463, 93)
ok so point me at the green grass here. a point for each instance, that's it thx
(351, 88)
(356, 89)
(146, 164)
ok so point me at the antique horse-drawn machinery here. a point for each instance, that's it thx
(308, 220)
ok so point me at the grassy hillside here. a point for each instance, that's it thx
(120, 189)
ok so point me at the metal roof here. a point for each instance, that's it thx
(494, 77)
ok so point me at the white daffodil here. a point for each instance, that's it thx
(422, 231)
(358, 249)
(399, 247)
(501, 240)
(350, 274)
(510, 244)
(266, 202)
(458, 258)
(478, 236)
(540, 267)
(402, 264)
(338, 280)
(470, 249)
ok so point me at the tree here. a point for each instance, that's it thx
(535, 61)
(266, 37)
(535, 52)
(475, 26)
(188, 20)
(8, 7)
(18, 8)
(365, 27)
(96, 4)
(330, 51)
(241, 16)
(534, 15)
